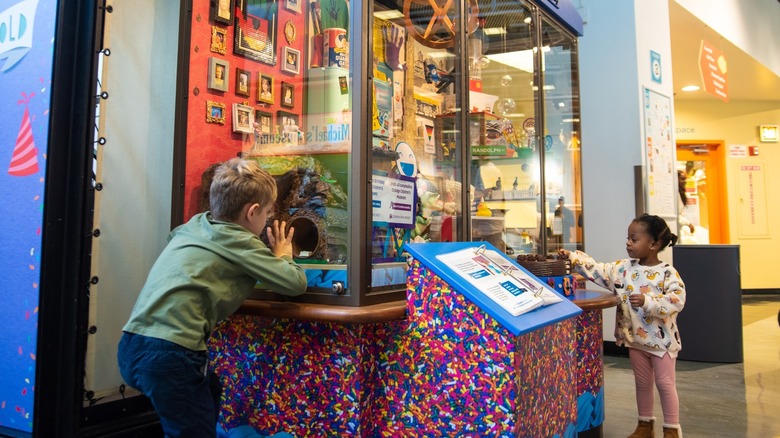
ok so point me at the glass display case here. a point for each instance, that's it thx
(361, 111)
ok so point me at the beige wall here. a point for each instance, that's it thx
(738, 125)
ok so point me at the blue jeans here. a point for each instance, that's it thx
(174, 378)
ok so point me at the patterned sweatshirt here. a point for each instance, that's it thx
(653, 327)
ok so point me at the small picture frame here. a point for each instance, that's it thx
(243, 79)
(289, 123)
(769, 133)
(215, 112)
(265, 88)
(222, 11)
(218, 40)
(255, 30)
(291, 62)
(286, 118)
(243, 118)
(288, 95)
(290, 32)
(218, 74)
(265, 122)
(293, 5)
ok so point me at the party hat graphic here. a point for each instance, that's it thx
(24, 161)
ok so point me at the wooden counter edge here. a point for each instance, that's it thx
(376, 313)
(605, 300)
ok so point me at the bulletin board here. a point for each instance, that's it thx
(659, 159)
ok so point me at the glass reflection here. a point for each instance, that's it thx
(416, 156)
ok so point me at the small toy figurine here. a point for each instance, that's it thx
(483, 210)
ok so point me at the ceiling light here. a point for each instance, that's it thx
(438, 54)
(494, 31)
(521, 60)
(690, 88)
(388, 15)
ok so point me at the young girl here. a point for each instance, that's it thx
(651, 295)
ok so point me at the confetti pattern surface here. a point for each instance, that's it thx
(25, 95)
(590, 370)
(448, 370)
(306, 378)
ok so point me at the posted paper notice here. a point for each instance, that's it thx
(488, 271)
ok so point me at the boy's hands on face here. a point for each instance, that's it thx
(280, 244)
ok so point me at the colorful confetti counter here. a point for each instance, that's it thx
(448, 370)
(590, 371)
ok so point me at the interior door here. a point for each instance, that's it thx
(704, 162)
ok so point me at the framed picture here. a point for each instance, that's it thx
(242, 82)
(293, 5)
(769, 133)
(243, 118)
(218, 40)
(265, 122)
(222, 11)
(256, 30)
(218, 77)
(265, 88)
(292, 60)
(288, 95)
(290, 32)
(215, 112)
(291, 130)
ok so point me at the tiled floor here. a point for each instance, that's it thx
(716, 400)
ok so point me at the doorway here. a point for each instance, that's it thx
(706, 208)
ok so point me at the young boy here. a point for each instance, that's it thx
(208, 268)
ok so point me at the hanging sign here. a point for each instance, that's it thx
(714, 71)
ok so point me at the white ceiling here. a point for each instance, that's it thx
(748, 80)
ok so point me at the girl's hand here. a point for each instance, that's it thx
(564, 253)
(637, 300)
(281, 245)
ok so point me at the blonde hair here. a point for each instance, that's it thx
(238, 182)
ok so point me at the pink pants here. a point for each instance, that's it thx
(648, 370)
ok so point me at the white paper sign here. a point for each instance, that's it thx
(393, 200)
(511, 288)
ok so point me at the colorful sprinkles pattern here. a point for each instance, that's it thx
(448, 370)
(590, 371)
(305, 378)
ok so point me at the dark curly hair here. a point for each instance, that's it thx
(657, 229)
